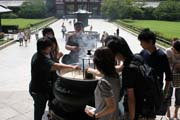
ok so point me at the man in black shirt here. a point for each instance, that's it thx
(155, 58)
(41, 67)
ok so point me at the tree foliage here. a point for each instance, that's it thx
(117, 9)
(111, 8)
(121, 9)
(50, 6)
(33, 9)
(168, 10)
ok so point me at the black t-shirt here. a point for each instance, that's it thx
(131, 78)
(40, 73)
(159, 61)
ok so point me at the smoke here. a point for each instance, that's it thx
(87, 42)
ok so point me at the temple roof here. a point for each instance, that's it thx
(4, 9)
(11, 3)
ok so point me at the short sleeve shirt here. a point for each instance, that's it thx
(158, 60)
(40, 73)
(104, 90)
(174, 60)
(131, 79)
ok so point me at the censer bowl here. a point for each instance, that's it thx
(72, 95)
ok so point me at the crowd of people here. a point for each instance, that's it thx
(118, 77)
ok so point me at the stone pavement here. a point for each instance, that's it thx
(15, 101)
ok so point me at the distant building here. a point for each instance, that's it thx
(11, 3)
(153, 4)
(67, 7)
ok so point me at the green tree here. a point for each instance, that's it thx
(33, 9)
(114, 9)
(110, 8)
(168, 10)
(50, 6)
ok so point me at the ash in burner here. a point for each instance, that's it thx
(74, 75)
(78, 75)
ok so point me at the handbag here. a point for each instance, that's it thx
(175, 77)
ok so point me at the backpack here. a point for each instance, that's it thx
(150, 90)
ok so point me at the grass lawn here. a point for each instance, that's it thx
(22, 23)
(3, 41)
(164, 28)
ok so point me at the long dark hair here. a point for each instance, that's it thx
(104, 60)
(54, 51)
(118, 45)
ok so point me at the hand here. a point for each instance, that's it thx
(59, 55)
(76, 67)
(90, 70)
(89, 112)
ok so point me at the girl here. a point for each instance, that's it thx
(108, 87)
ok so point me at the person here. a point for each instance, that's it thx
(108, 87)
(158, 60)
(91, 27)
(37, 34)
(74, 41)
(131, 78)
(63, 30)
(173, 54)
(20, 37)
(155, 58)
(103, 37)
(25, 37)
(40, 84)
(117, 31)
(74, 20)
(28, 34)
(56, 54)
(70, 22)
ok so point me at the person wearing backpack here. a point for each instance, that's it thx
(131, 78)
(157, 59)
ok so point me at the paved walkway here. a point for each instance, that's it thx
(15, 101)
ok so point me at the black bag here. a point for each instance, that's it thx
(151, 92)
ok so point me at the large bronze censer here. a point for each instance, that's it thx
(74, 90)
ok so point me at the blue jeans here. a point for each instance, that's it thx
(40, 100)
